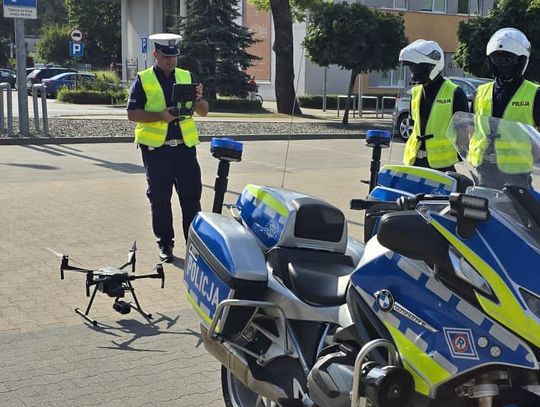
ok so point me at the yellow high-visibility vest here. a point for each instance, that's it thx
(153, 134)
(513, 150)
(440, 151)
(519, 109)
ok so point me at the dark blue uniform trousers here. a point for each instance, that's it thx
(167, 166)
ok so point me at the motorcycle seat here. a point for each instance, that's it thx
(316, 277)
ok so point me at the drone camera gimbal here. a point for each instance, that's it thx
(114, 282)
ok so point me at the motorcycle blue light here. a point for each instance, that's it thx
(378, 138)
(226, 143)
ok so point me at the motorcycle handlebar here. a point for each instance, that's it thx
(403, 203)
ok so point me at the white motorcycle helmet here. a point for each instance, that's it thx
(508, 52)
(425, 60)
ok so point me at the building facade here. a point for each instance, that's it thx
(436, 20)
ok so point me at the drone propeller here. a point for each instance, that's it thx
(132, 258)
(65, 266)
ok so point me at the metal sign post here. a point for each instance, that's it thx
(21, 10)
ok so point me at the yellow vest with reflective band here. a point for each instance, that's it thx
(513, 153)
(513, 149)
(519, 109)
(153, 134)
(440, 151)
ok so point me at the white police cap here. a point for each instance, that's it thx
(166, 44)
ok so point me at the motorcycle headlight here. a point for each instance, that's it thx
(466, 272)
(532, 301)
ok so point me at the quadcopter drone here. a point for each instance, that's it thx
(113, 281)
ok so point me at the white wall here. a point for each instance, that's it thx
(140, 18)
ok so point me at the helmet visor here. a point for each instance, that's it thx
(503, 59)
(420, 72)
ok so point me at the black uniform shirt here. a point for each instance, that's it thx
(137, 98)
(502, 94)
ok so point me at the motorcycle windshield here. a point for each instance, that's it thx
(499, 153)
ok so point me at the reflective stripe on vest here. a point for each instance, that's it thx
(513, 150)
(519, 109)
(153, 134)
(440, 152)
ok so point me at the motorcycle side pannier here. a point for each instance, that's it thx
(223, 261)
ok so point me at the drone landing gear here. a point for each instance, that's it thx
(120, 306)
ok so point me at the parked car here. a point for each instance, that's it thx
(401, 120)
(37, 75)
(8, 76)
(67, 79)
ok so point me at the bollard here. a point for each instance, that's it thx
(43, 93)
(8, 89)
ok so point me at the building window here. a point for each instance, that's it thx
(470, 7)
(387, 79)
(389, 4)
(436, 6)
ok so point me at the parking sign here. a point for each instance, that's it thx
(76, 49)
(144, 45)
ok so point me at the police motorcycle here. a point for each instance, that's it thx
(442, 310)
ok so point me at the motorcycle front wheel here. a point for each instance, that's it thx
(235, 394)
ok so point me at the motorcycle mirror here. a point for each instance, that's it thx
(468, 210)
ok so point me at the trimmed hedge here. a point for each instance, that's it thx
(235, 105)
(91, 97)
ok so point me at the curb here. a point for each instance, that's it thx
(129, 139)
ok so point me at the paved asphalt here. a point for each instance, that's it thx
(88, 200)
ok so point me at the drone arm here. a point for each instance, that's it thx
(159, 274)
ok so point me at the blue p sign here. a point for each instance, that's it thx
(76, 49)
(144, 45)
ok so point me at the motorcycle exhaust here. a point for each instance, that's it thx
(383, 386)
(238, 366)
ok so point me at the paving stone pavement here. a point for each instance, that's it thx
(88, 201)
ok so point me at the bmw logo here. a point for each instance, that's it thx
(385, 300)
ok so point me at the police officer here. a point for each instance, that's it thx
(512, 98)
(167, 141)
(433, 103)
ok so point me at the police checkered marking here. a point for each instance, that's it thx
(194, 296)
(445, 363)
(268, 211)
(505, 337)
(432, 183)
(367, 297)
(440, 290)
(204, 308)
(416, 339)
(461, 343)
(530, 358)
(410, 267)
(390, 318)
(470, 312)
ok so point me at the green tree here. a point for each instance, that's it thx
(213, 46)
(356, 38)
(54, 45)
(99, 20)
(474, 35)
(49, 12)
(284, 12)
